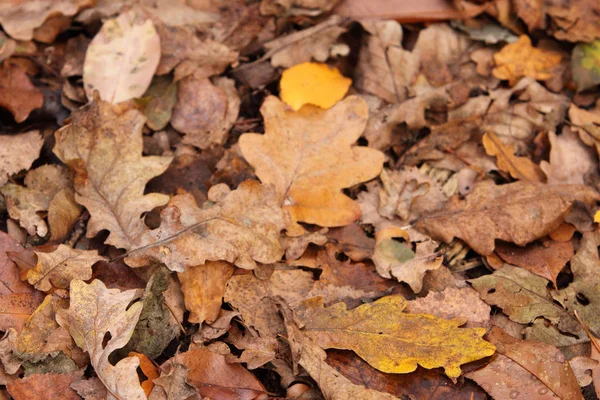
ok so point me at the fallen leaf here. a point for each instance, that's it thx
(203, 288)
(570, 159)
(514, 217)
(240, 227)
(18, 94)
(105, 150)
(587, 124)
(352, 241)
(296, 246)
(149, 369)
(18, 152)
(314, 43)
(582, 368)
(577, 21)
(172, 385)
(585, 65)
(158, 102)
(58, 268)
(392, 341)
(20, 19)
(205, 112)
(75, 56)
(421, 384)
(545, 259)
(63, 212)
(308, 183)
(296, 7)
(521, 168)
(538, 64)
(25, 202)
(90, 389)
(114, 67)
(523, 297)
(93, 313)
(45, 387)
(313, 83)
(175, 13)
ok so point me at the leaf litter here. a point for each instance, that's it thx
(299, 199)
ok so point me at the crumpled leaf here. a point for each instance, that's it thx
(18, 152)
(523, 297)
(570, 159)
(94, 312)
(313, 83)
(25, 202)
(520, 59)
(521, 213)
(45, 386)
(576, 21)
(587, 123)
(240, 226)
(58, 268)
(158, 102)
(393, 341)
(20, 20)
(172, 385)
(203, 288)
(17, 94)
(105, 150)
(308, 183)
(585, 65)
(122, 58)
(521, 168)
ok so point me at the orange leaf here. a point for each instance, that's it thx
(148, 368)
(313, 83)
(521, 168)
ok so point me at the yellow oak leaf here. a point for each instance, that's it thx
(520, 59)
(393, 341)
(105, 150)
(309, 157)
(58, 268)
(521, 168)
(94, 312)
(313, 83)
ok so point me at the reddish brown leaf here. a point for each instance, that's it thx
(17, 94)
(48, 386)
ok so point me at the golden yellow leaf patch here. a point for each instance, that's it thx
(520, 59)
(521, 168)
(313, 83)
(393, 341)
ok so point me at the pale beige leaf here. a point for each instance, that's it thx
(122, 58)
(570, 159)
(18, 152)
(58, 268)
(105, 150)
(94, 312)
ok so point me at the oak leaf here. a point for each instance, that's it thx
(521, 168)
(94, 313)
(58, 268)
(393, 341)
(520, 59)
(18, 152)
(17, 94)
(104, 149)
(122, 58)
(518, 212)
(313, 83)
(240, 226)
(309, 157)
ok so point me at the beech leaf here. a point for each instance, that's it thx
(393, 341)
(94, 312)
(309, 157)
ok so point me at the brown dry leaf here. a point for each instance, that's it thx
(172, 385)
(521, 168)
(545, 362)
(453, 303)
(48, 386)
(587, 124)
(316, 43)
(105, 150)
(570, 159)
(214, 378)
(25, 203)
(20, 18)
(58, 268)
(205, 112)
(183, 51)
(582, 368)
(520, 59)
(17, 94)
(393, 341)
(384, 68)
(522, 212)
(296, 246)
(94, 312)
(240, 226)
(575, 21)
(90, 389)
(122, 58)
(308, 183)
(352, 241)
(18, 152)
(394, 258)
(546, 258)
(203, 288)
(296, 7)
(63, 212)
(75, 56)
(421, 384)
